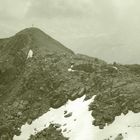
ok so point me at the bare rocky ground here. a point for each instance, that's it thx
(29, 87)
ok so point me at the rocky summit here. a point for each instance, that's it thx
(37, 73)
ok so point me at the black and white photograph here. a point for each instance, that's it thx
(69, 70)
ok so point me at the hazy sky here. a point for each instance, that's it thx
(109, 29)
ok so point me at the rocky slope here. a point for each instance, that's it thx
(29, 86)
(50, 133)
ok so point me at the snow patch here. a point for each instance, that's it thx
(30, 54)
(70, 69)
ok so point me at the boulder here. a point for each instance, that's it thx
(119, 137)
(68, 115)
(21, 106)
(65, 130)
(58, 129)
(15, 104)
(17, 132)
(29, 121)
(25, 102)
(101, 126)
(74, 96)
(56, 125)
(81, 92)
(65, 112)
(137, 105)
(41, 88)
(19, 114)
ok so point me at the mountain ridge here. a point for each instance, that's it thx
(38, 35)
(53, 75)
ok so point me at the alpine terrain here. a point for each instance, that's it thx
(38, 73)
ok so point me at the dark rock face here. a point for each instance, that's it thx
(50, 133)
(29, 87)
(120, 96)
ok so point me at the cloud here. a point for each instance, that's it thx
(77, 16)
(72, 20)
(15, 9)
(70, 8)
(59, 8)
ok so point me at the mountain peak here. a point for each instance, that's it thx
(30, 30)
(43, 41)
